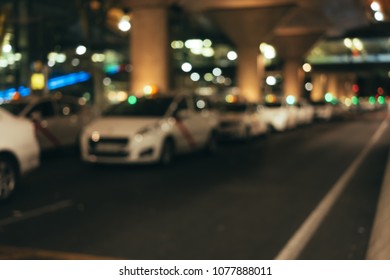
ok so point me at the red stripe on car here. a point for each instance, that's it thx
(47, 134)
(186, 133)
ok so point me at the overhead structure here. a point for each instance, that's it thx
(247, 28)
(292, 25)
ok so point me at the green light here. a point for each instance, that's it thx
(355, 100)
(372, 100)
(328, 97)
(132, 100)
(381, 100)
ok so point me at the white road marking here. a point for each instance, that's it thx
(379, 246)
(302, 236)
(36, 212)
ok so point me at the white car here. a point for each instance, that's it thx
(58, 119)
(278, 115)
(19, 151)
(323, 111)
(241, 120)
(305, 112)
(150, 129)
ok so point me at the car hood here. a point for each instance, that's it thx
(120, 125)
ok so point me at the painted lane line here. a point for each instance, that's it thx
(379, 245)
(302, 236)
(37, 212)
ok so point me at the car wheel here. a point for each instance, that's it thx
(8, 177)
(167, 152)
(212, 143)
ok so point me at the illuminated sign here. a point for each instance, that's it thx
(37, 81)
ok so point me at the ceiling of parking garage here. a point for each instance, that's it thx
(333, 18)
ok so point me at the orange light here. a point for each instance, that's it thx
(270, 98)
(150, 89)
(16, 96)
(231, 98)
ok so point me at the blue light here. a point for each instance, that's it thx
(53, 83)
(67, 80)
(112, 69)
(24, 91)
(7, 94)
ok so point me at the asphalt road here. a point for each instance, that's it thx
(245, 202)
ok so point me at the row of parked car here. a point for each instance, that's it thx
(151, 128)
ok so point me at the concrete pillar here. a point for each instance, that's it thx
(249, 72)
(292, 46)
(319, 81)
(340, 84)
(346, 82)
(333, 85)
(149, 47)
(293, 76)
(247, 28)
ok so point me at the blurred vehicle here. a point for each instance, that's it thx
(322, 110)
(278, 115)
(150, 129)
(339, 110)
(58, 119)
(19, 151)
(305, 113)
(241, 120)
(293, 116)
(369, 104)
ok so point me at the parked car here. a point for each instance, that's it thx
(326, 111)
(58, 119)
(278, 116)
(150, 129)
(339, 110)
(305, 112)
(241, 120)
(19, 151)
(322, 110)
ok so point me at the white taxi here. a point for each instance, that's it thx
(19, 151)
(305, 112)
(278, 115)
(241, 120)
(58, 119)
(149, 129)
(322, 110)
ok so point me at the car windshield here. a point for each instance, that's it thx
(233, 108)
(273, 105)
(14, 107)
(141, 107)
